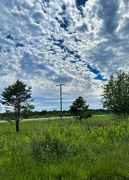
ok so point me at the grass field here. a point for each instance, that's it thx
(95, 149)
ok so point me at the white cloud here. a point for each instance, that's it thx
(45, 43)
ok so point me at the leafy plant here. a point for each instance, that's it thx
(116, 95)
(65, 150)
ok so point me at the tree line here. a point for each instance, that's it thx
(115, 98)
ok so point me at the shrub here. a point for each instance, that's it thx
(88, 114)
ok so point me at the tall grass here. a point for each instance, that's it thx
(96, 149)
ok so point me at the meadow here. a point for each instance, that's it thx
(95, 149)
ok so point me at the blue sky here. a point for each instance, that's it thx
(76, 42)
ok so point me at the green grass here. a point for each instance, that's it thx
(95, 149)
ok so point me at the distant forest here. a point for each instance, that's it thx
(44, 114)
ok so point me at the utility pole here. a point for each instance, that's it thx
(60, 98)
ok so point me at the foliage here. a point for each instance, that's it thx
(44, 114)
(79, 107)
(87, 114)
(65, 150)
(116, 95)
(17, 96)
(98, 111)
(27, 111)
(8, 115)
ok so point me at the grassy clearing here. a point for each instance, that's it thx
(97, 149)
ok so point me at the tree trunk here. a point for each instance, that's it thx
(80, 118)
(126, 118)
(17, 125)
(17, 113)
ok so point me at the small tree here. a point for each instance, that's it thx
(79, 107)
(116, 95)
(17, 96)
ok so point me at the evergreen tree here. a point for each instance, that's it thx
(79, 107)
(18, 97)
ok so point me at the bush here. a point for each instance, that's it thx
(49, 144)
(87, 115)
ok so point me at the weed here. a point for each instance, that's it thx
(96, 148)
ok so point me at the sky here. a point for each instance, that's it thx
(79, 43)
